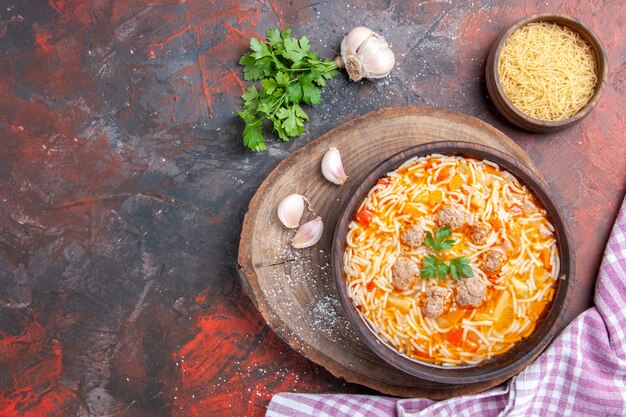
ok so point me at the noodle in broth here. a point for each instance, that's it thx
(497, 224)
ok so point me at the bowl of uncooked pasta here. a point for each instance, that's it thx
(546, 72)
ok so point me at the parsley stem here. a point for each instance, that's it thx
(277, 105)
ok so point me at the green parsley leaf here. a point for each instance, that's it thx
(251, 70)
(251, 94)
(432, 267)
(300, 113)
(320, 81)
(278, 128)
(294, 92)
(429, 270)
(429, 240)
(460, 267)
(443, 233)
(441, 239)
(246, 117)
(283, 113)
(265, 104)
(253, 136)
(269, 85)
(310, 93)
(282, 78)
(447, 244)
(285, 33)
(294, 51)
(273, 36)
(330, 74)
(453, 271)
(305, 45)
(442, 271)
(293, 122)
(260, 48)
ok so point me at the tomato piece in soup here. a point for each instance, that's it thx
(364, 216)
(454, 336)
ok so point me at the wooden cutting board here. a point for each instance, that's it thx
(294, 289)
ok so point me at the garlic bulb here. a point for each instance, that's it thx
(290, 210)
(308, 234)
(332, 167)
(365, 54)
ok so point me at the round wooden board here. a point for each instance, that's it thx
(294, 289)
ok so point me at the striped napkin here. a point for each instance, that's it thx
(583, 372)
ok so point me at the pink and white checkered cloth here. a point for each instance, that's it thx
(583, 372)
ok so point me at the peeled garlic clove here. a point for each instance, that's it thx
(290, 210)
(308, 234)
(365, 54)
(332, 167)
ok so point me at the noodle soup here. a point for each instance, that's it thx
(451, 260)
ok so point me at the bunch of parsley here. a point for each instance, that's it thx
(433, 267)
(290, 74)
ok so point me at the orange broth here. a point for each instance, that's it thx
(517, 295)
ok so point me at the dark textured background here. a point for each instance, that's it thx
(123, 184)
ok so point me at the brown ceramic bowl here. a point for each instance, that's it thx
(501, 366)
(512, 113)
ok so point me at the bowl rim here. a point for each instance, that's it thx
(573, 24)
(520, 355)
